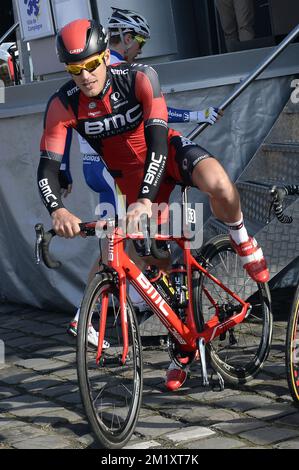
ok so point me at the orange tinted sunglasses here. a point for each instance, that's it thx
(89, 65)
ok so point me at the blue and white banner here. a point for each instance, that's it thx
(35, 18)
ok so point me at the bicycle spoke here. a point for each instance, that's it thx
(239, 352)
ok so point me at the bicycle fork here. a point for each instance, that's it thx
(124, 322)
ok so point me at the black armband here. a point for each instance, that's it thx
(156, 132)
(48, 184)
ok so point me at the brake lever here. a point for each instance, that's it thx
(277, 195)
(39, 233)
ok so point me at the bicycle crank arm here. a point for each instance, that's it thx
(202, 353)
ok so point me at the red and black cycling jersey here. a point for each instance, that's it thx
(126, 124)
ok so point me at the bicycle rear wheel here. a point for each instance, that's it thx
(111, 392)
(292, 349)
(240, 352)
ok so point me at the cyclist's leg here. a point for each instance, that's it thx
(111, 202)
(100, 181)
(200, 169)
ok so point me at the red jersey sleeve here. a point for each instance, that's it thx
(148, 92)
(56, 121)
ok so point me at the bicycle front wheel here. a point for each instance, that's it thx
(111, 392)
(239, 353)
(292, 349)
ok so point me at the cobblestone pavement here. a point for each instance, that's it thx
(40, 404)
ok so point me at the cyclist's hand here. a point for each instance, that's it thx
(135, 212)
(65, 180)
(65, 223)
(209, 115)
(66, 191)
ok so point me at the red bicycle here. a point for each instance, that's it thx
(233, 325)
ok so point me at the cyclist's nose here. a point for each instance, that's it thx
(85, 74)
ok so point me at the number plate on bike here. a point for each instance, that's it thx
(191, 216)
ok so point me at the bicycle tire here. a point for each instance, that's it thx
(238, 354)
(292, 349)
(111, 392)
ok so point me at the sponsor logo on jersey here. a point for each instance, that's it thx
(119, 71)
(47, 193)
(72, 91)
(118, 105)
(91, 158)
(160, 122)
(115, 96)
(92, 105)
(94, 113)
(109, 125)
(154, 171)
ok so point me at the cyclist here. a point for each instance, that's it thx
(128, 32)
(133, 137)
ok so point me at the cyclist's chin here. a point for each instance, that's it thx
(90, 90)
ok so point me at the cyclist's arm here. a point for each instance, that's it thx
(149, 93)
(56, 122)
(209, 115)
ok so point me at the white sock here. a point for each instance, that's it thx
(237, 231)
(76, 317)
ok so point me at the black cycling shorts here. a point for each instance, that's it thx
(187, 156)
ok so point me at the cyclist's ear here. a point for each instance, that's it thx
(107, 57)
(128, 38)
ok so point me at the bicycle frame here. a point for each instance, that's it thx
(185, 334)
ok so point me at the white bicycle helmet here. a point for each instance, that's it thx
(127, 21)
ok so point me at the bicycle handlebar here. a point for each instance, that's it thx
(278, 193)
(42, 244)
(44, 239)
